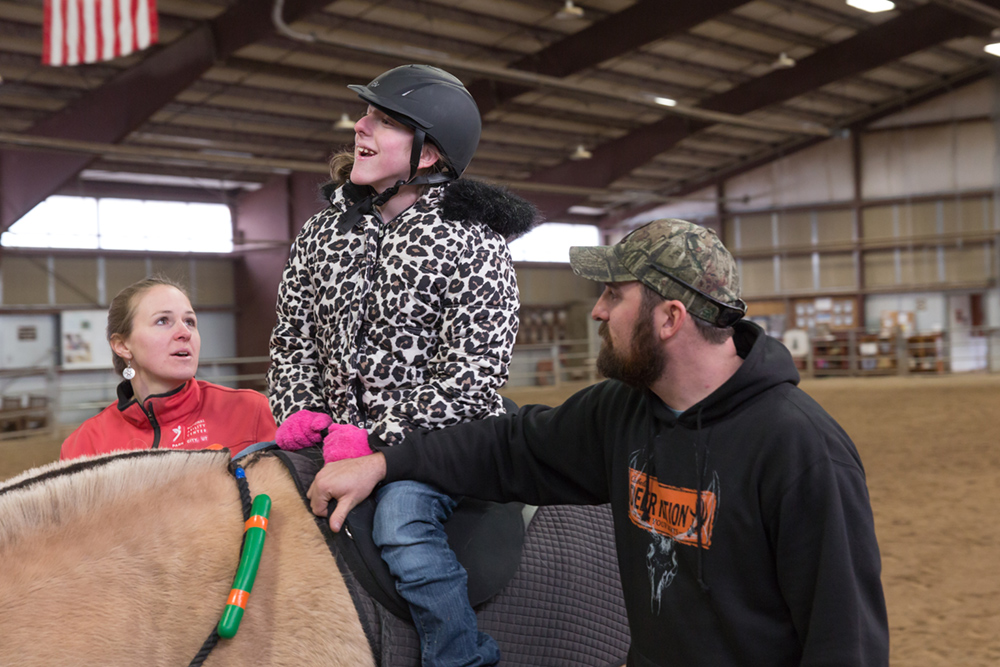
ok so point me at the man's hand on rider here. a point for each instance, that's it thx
(348, 482)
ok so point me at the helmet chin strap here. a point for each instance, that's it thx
(364, 206)
(416, 148)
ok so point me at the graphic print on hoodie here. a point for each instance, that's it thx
(670, 515)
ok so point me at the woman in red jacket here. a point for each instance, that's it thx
(153, 333)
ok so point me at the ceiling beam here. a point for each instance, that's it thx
(110, 112)
(617, 34)
(853, 20)
(120, 190)
(765, 157)
(909, 33)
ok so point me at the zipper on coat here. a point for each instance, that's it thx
(152, 422)
(381, 229)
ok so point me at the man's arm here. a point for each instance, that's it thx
(349, 481)
(829, 568)
(538, 455)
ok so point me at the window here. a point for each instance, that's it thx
(551, 242)
(58, 222)
(123, 224)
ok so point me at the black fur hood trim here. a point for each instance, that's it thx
(465, 199)
(326, 191)
(493, 205)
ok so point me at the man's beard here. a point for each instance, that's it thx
(642, 364)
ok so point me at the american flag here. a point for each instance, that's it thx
(86, 31)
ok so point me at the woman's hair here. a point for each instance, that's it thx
(123, 306)
(341, 164)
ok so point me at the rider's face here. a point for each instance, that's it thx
(381, 150)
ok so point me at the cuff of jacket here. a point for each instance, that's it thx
(400, 460)
(376, 443)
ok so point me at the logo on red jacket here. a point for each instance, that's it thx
(191, 436)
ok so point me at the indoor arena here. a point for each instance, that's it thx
(350, 227)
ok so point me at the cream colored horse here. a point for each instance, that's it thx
(129, 561)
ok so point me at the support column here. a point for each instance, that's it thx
(856, 206)
(266, 222)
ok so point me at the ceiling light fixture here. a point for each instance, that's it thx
(345, 123)
(993, 48)
(665, 101)
(570, 11)
(783, 61)
(872, 6)
(585, 210)
(581, 153)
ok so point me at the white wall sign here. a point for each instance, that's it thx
(26, 341)
(82, 339)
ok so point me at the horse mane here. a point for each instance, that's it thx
(53, 493)
(128, 559)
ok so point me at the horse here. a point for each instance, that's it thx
(129, 558)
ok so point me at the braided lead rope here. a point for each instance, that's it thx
(213, 638)
(205, 649)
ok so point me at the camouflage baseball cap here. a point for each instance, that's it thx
(677, 260)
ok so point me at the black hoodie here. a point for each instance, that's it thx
(784, 567)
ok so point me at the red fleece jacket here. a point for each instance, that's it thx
(197, 415)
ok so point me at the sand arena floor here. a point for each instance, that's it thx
(931, 449)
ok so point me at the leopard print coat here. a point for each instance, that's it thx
(398, 325)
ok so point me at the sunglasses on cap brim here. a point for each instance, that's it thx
(729, 314)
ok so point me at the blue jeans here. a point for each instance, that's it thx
(408, 528)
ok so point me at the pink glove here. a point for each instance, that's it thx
(345, 442)
(301, 429)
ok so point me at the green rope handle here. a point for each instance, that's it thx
(255, 530)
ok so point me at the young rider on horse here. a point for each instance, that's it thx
(398, 311)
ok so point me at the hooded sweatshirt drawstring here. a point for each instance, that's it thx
(647, 458)
(701, 467)
(699, 510)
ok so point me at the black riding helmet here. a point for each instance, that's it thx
(434, 104)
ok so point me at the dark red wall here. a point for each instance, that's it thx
(266, 221)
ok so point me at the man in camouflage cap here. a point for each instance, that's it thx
(665, 267)
(744, 532)
(677, 260)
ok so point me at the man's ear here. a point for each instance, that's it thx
(670, 316)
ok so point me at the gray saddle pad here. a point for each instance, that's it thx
(563, 608)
